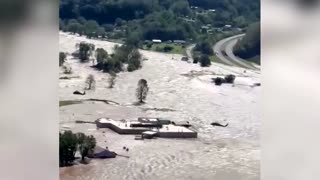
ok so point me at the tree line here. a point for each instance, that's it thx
(126, 54)
(249, 46)
(154, 19)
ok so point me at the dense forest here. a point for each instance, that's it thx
(249, 46)
(156, 19)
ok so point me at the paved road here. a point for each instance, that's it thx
(220, 46)
(189, 49)
(227, 45)
(229, 51)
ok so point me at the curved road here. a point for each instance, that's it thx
(229, 58)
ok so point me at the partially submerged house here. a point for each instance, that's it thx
(147, 127)
(101, 153)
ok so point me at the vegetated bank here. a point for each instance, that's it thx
(249, 47)
(167, 20)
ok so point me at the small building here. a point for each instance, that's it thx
(179, 41)
(156, 41)
(212, 10)
(205, 27)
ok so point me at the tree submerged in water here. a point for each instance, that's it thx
(142, 90)
(70, 143)
(90, 82)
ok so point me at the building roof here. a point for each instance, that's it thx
(156, 40)
(173, 128)
(179, 41)
(149, 133)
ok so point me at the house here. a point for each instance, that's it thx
(212, 10)
(179, 41)
(101, 153)
(156, 41)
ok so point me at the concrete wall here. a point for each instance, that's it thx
(178, 134)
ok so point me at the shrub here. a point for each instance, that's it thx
(149, 45)
(167, 48)
(204, 48)
(230, 78)
(196, 59)
(205, 61)
(218, 81)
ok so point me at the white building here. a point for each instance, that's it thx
(156, 40)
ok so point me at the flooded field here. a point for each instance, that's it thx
(179, 91)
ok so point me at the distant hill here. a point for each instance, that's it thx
(249, 46)
(155, 19)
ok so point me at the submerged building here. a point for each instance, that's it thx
(149, 127)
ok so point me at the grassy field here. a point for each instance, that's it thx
(176, 48)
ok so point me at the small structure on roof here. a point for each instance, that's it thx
(156, 41)
(183, 123)
(149, 134)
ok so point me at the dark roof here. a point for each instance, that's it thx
(99, 152)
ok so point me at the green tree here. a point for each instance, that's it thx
(142, 90)
(181, 7)
(85, 144)
(67, 148)
(90, 82)
(101, 56)
(75, 27)
(85, 51)
(240, 21)
(112, 79)
(249, 46)
(133, 40)
(62, 58)
(204, 47)
(134, 60)
(205, 61)
(108, 27)
(101, 32)
(91, 28)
